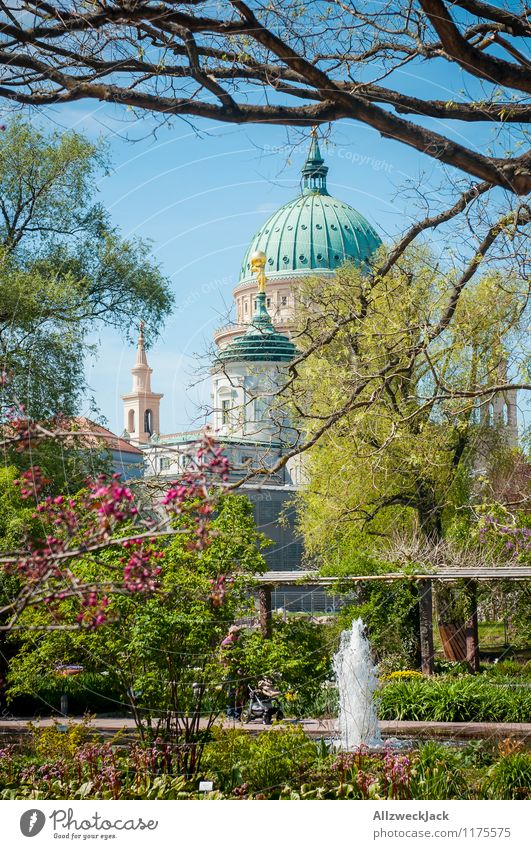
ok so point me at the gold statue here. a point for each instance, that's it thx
(258, 261)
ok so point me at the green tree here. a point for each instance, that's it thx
(64, 268)
(403, 433)
(404, 439)
(160, 650)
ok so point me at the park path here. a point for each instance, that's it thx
(13, 726)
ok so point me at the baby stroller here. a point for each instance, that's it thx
(263, 704)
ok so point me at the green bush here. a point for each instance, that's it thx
(280, 757)
(298, 655)
(509, 778)
(437, 773)
(262, 764)
(379, 604)
(463, 699)
(225, 756)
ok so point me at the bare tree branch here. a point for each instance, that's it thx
(55, 53)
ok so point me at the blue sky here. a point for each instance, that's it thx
(200, 197)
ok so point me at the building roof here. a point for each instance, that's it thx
(313, 232)
(94, 433)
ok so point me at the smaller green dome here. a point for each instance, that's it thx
(261, 342)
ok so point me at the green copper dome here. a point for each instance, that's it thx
(313, 232)
(260, 342)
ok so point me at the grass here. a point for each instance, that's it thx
(491, 636)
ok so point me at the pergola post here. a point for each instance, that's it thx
(426, 626)
(471, 627)
(264, 605)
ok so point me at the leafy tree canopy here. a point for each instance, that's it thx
(160, 650)
(64, 270)
(403, 417)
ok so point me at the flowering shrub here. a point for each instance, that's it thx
(506, 536)
(401, 675)
(104, 514)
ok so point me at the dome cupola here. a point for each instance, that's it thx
(314, 171)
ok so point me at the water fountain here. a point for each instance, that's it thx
(356, 682)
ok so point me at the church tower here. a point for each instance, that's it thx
(141, 405)
(249, 372)
(500, 411)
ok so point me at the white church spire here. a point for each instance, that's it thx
(141, 405)
(141, 371)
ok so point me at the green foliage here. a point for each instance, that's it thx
(460, 699)
(160, 651)
(449, 667)
(73, 762)
(264, 764)
(298, 656)
(280, 757)
(510, 777)
(15, 514)
(55, 742)
(225, 755)
(399, 457)
(478, 753)
(509, 669)
(437, 773)
(64, 269)
(390, 612)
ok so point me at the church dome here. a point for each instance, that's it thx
(314, 232)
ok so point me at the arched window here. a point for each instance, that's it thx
(131, 421)
(490, 415)
(505, 413)
(148, 422)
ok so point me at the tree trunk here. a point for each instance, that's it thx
(471, 628)
(426, 626)
(264, 602)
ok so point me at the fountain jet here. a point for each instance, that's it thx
(357, 682)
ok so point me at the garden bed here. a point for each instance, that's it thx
(283, 764)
